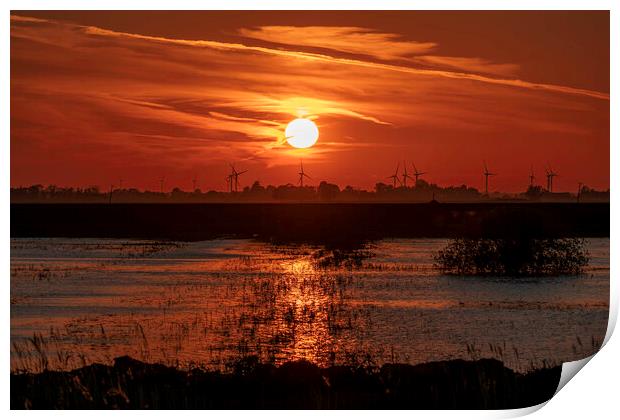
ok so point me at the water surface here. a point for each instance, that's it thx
(208, 303)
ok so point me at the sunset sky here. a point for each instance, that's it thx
(100, 96)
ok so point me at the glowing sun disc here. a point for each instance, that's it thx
(301, 133)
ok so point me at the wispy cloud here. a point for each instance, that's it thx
(355, 62)
(379, 45)
(18, 18)
(354, 40)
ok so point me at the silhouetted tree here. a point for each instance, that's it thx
(328, 192)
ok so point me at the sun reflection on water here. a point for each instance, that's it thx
(306, 312)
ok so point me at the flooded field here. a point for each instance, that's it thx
(78, 301)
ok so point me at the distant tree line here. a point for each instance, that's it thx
(324, 192)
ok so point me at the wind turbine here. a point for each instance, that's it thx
(550, 176)
(416, 173)
(532, 177)
(235, 177)
(394, 177)
(405, 175)
(487, 174)
(302, 174)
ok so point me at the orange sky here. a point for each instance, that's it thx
(99, 96)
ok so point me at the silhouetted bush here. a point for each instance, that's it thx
(513, 257)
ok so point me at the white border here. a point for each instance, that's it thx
(592, 394)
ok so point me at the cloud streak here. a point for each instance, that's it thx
(470, 64)
(347, 39)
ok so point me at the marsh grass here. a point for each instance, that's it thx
(338, 258)
(274, 313)
(128, 383)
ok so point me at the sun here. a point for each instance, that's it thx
(301, 133)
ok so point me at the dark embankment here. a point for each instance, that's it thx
(310, 221)
(458, 384)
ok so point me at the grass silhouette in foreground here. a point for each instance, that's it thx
(128, 383)
(513, 257)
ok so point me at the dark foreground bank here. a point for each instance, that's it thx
(457, 384)
(310, 221)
